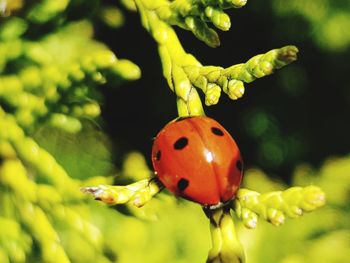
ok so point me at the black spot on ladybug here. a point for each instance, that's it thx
(180, 143)
(217, 131)
(182, 184)
(158, 155)
(182, 118)
(239, 165)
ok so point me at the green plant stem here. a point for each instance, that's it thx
(226, 247)
(174, 59)
(275, 206)
(138, 193)
(184, 73)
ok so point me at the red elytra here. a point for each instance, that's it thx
(196, 158)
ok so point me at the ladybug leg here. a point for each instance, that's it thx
(227, 204)
(155, 180)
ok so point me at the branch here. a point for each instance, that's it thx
(194, 15)
(183, 72)
(262, 65)
(275, 206)
(211, 79)
(30, 153)
(226, 247)
(138, 193)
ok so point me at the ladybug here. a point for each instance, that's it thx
(197, 159)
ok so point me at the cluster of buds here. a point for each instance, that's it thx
(212, 79)
(275, 206)
(48, 80)
(184, 73)
(195, 15)
(41, 89)
(137, 194)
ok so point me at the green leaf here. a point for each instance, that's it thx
(202, 31)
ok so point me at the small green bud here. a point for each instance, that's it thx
(98, 77)
(88, 65)
(64, 83)
(234, 89)
(10, 83)
(286, 55)
(9, 130)
(209, 11)
(141, 198)
(126, 69)
(129, 4)
(76, 73)
(237, 3)
(293, 211)
(92, 110)
(76, 111)
(313, 198)
(35, 52)
(112, 16)
(275, 216)
(13, 49)
(104, 58)
(202, 31)
(164, 12)
(52, 75)
(66, 123)
(51, 93)
(220, 19)
(46, 10)
(6, 150)
(31, 78)
(25, 117)
(212, 94)
(249, 218)
(13, 28)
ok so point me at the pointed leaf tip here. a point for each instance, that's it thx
(288, 54)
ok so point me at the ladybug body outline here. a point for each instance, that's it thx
(196, 158)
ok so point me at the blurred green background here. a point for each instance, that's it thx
(74, 114)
